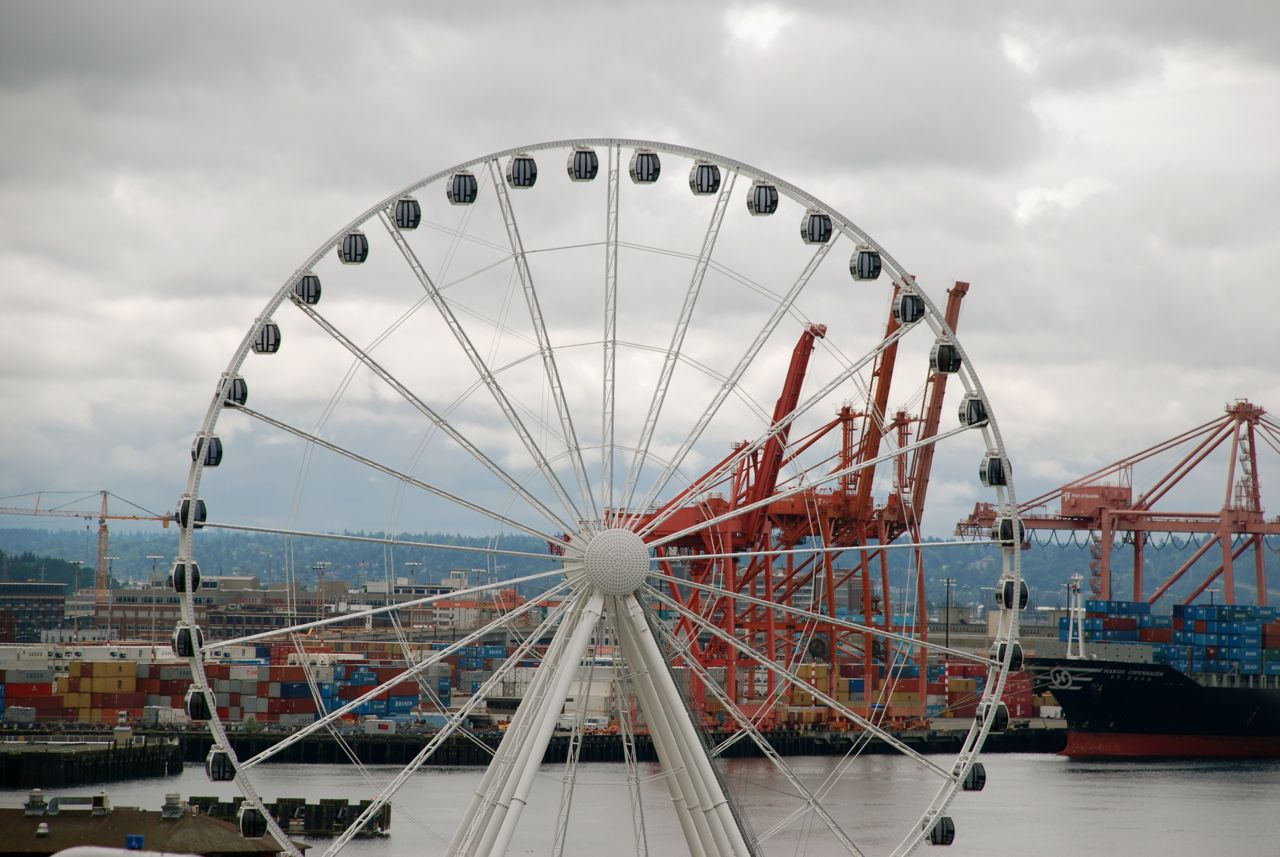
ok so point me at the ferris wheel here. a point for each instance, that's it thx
(659, 383)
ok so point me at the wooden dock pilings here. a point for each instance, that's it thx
(62, 763)
(296, 817)
(401, 748)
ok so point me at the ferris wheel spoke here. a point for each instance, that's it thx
(451, 725)
(482, 369)
(609, 385)
(382, 540)
(676, 346)
(396, 474)
(796, 681)
(727, 466)
(360, 615)
(748, 727)
(544, 340)
(412, 672)
(790, 492)
(801, 613)
(426, 410)
(744, 363)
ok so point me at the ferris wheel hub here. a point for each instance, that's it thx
(616, 561)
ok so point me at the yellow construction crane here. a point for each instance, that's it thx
(103, 583)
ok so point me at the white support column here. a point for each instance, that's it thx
(499, 769)
(686, 732)
(683, 797)
(507, 813)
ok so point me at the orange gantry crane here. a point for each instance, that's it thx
(102, 579)
(1103, 505)
(844, 514)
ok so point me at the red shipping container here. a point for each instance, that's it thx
(28, 689)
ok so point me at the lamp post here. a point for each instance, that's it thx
(948, 582)
(154, 606)
(111, 560)
(319, 568)
(1212, 591)
(75, 593)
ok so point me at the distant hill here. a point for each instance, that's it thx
(1046, 567)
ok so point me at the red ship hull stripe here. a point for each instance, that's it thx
(1132, 745)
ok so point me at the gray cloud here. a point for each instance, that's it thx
(1109, 191)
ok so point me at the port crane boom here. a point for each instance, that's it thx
(102, 583)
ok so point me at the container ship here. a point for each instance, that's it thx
(1202, 682)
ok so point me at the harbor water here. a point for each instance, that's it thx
(1033, 804)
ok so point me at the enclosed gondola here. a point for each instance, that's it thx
(997, 711)
(307, 289)
(973, 412)
(196, 706)
(218, 766)
(945, 357)
(212, 445)
(462, 188)
(943, 831)
(1003, 531)
(522, 171)
(975, 779)
(1014, 650)
(992, 471)
(267, 340)
(865, 263)
(908, 309)
(237, 392)
(704, 178)
(186, 639)
(645, 166)
(253, 824)
(815, 227)
(184, 576)
(1005, 594)
(583, 164)
(195, 513)
(762, 199)
(408, 213)
(353, 249)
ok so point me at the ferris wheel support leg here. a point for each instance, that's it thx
(704, 776)
(502, 825)
(497, 773)
(693, 823)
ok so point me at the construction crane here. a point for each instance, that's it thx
(1102, 504)
(102, 582)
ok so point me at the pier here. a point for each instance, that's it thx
(46, 762)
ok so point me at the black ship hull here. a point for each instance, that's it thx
(1121, 709)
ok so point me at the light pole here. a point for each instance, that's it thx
(75, 593)
(319, 568)
(1211, 592)
(948, 582)
(154, 606)
(110, 601)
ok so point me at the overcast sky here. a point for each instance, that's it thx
(1106, 175)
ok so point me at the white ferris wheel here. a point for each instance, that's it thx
(669, 411)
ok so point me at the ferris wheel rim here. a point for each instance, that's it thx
(934, 318)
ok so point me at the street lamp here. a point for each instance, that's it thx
(948, 582)
(319, 568)
(154, 606)
(1211, 592)
(110, 601)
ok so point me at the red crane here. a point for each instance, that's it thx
(843, 515)
(1102, 503)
